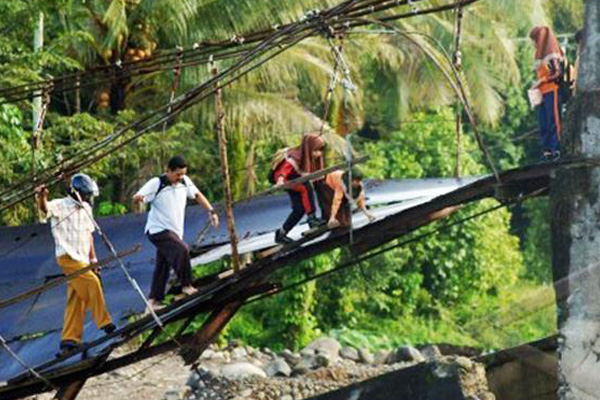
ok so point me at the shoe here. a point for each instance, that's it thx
(109, 328)
(281, 237)
(68, 346)
(314, 222)
(547, 156)
(555, 156)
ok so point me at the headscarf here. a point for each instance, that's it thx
(302, 154)
(546, 45)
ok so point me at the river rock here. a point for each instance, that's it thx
(430, 352)
(349, 353)
(365, 356)
(325, 346)
(171, 394)
(291, 358)
(193, 381)
(381, 357)
(406, 354)
(278, 367)
(238, 353)
(305, 365)
(241, 370)
(207, 354)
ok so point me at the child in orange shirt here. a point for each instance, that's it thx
(338, 193)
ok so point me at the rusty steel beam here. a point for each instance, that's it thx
(70, 391)
(224, 298)
(209, 331)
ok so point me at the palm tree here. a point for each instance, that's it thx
(286, 96)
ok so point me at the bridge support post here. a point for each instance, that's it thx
(575, 205)
(71, 391)
(235, 258)
(209, 331)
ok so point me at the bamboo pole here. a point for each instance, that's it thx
(225, 173)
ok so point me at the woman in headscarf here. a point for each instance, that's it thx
(549, 59)
(302, 160)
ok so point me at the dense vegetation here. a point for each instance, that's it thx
(462, 285)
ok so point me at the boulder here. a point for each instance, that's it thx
(193, 381)
(325, 346)
(321, 361)
(381, 357)
(431, 352)
(207, 354)
(241, 370)
(305, 365)
(278, 367)
(350, 353)
(171, 394)
(239, 353)
(291, 358)
(365, 356)
(406, 354)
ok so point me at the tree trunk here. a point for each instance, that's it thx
(575, 202)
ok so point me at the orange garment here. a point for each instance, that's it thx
(549, 73)
(336, 182)
(83, 293)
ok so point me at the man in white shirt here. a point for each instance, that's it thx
(72, 227)
(168, 195)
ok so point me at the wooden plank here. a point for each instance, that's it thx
(270, 251)
(311, 177)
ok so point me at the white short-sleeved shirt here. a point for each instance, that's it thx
(72, 228)
(167, 210)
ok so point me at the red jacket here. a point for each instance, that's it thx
(287, 170)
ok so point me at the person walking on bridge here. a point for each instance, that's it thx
(292, 164)
(72, 226)
(549, 60)
(168, 195)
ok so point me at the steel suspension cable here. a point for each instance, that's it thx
(202, 49)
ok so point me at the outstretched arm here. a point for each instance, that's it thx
(362, 204)
(42, 197)
(203, 201)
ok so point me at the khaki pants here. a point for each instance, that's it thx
(83, 293)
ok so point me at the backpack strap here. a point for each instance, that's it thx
(164, 182)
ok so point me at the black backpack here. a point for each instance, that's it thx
(565, 82)
(164, 182)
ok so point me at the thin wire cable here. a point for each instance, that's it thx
(111, 248)
(189, 100)
(369, 256)
(202, 49)
(32, 371)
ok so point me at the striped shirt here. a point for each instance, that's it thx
(72, 228)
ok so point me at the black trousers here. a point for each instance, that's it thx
(171, 251)
(303, 198)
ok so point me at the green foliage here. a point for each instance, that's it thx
(459, 285)
(537, 251)
(107, 208)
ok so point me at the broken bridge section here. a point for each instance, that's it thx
(221, 297)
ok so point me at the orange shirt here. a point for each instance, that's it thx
(549, 72)
(336, 182)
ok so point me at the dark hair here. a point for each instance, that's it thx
(176, 162)
(357, 175)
